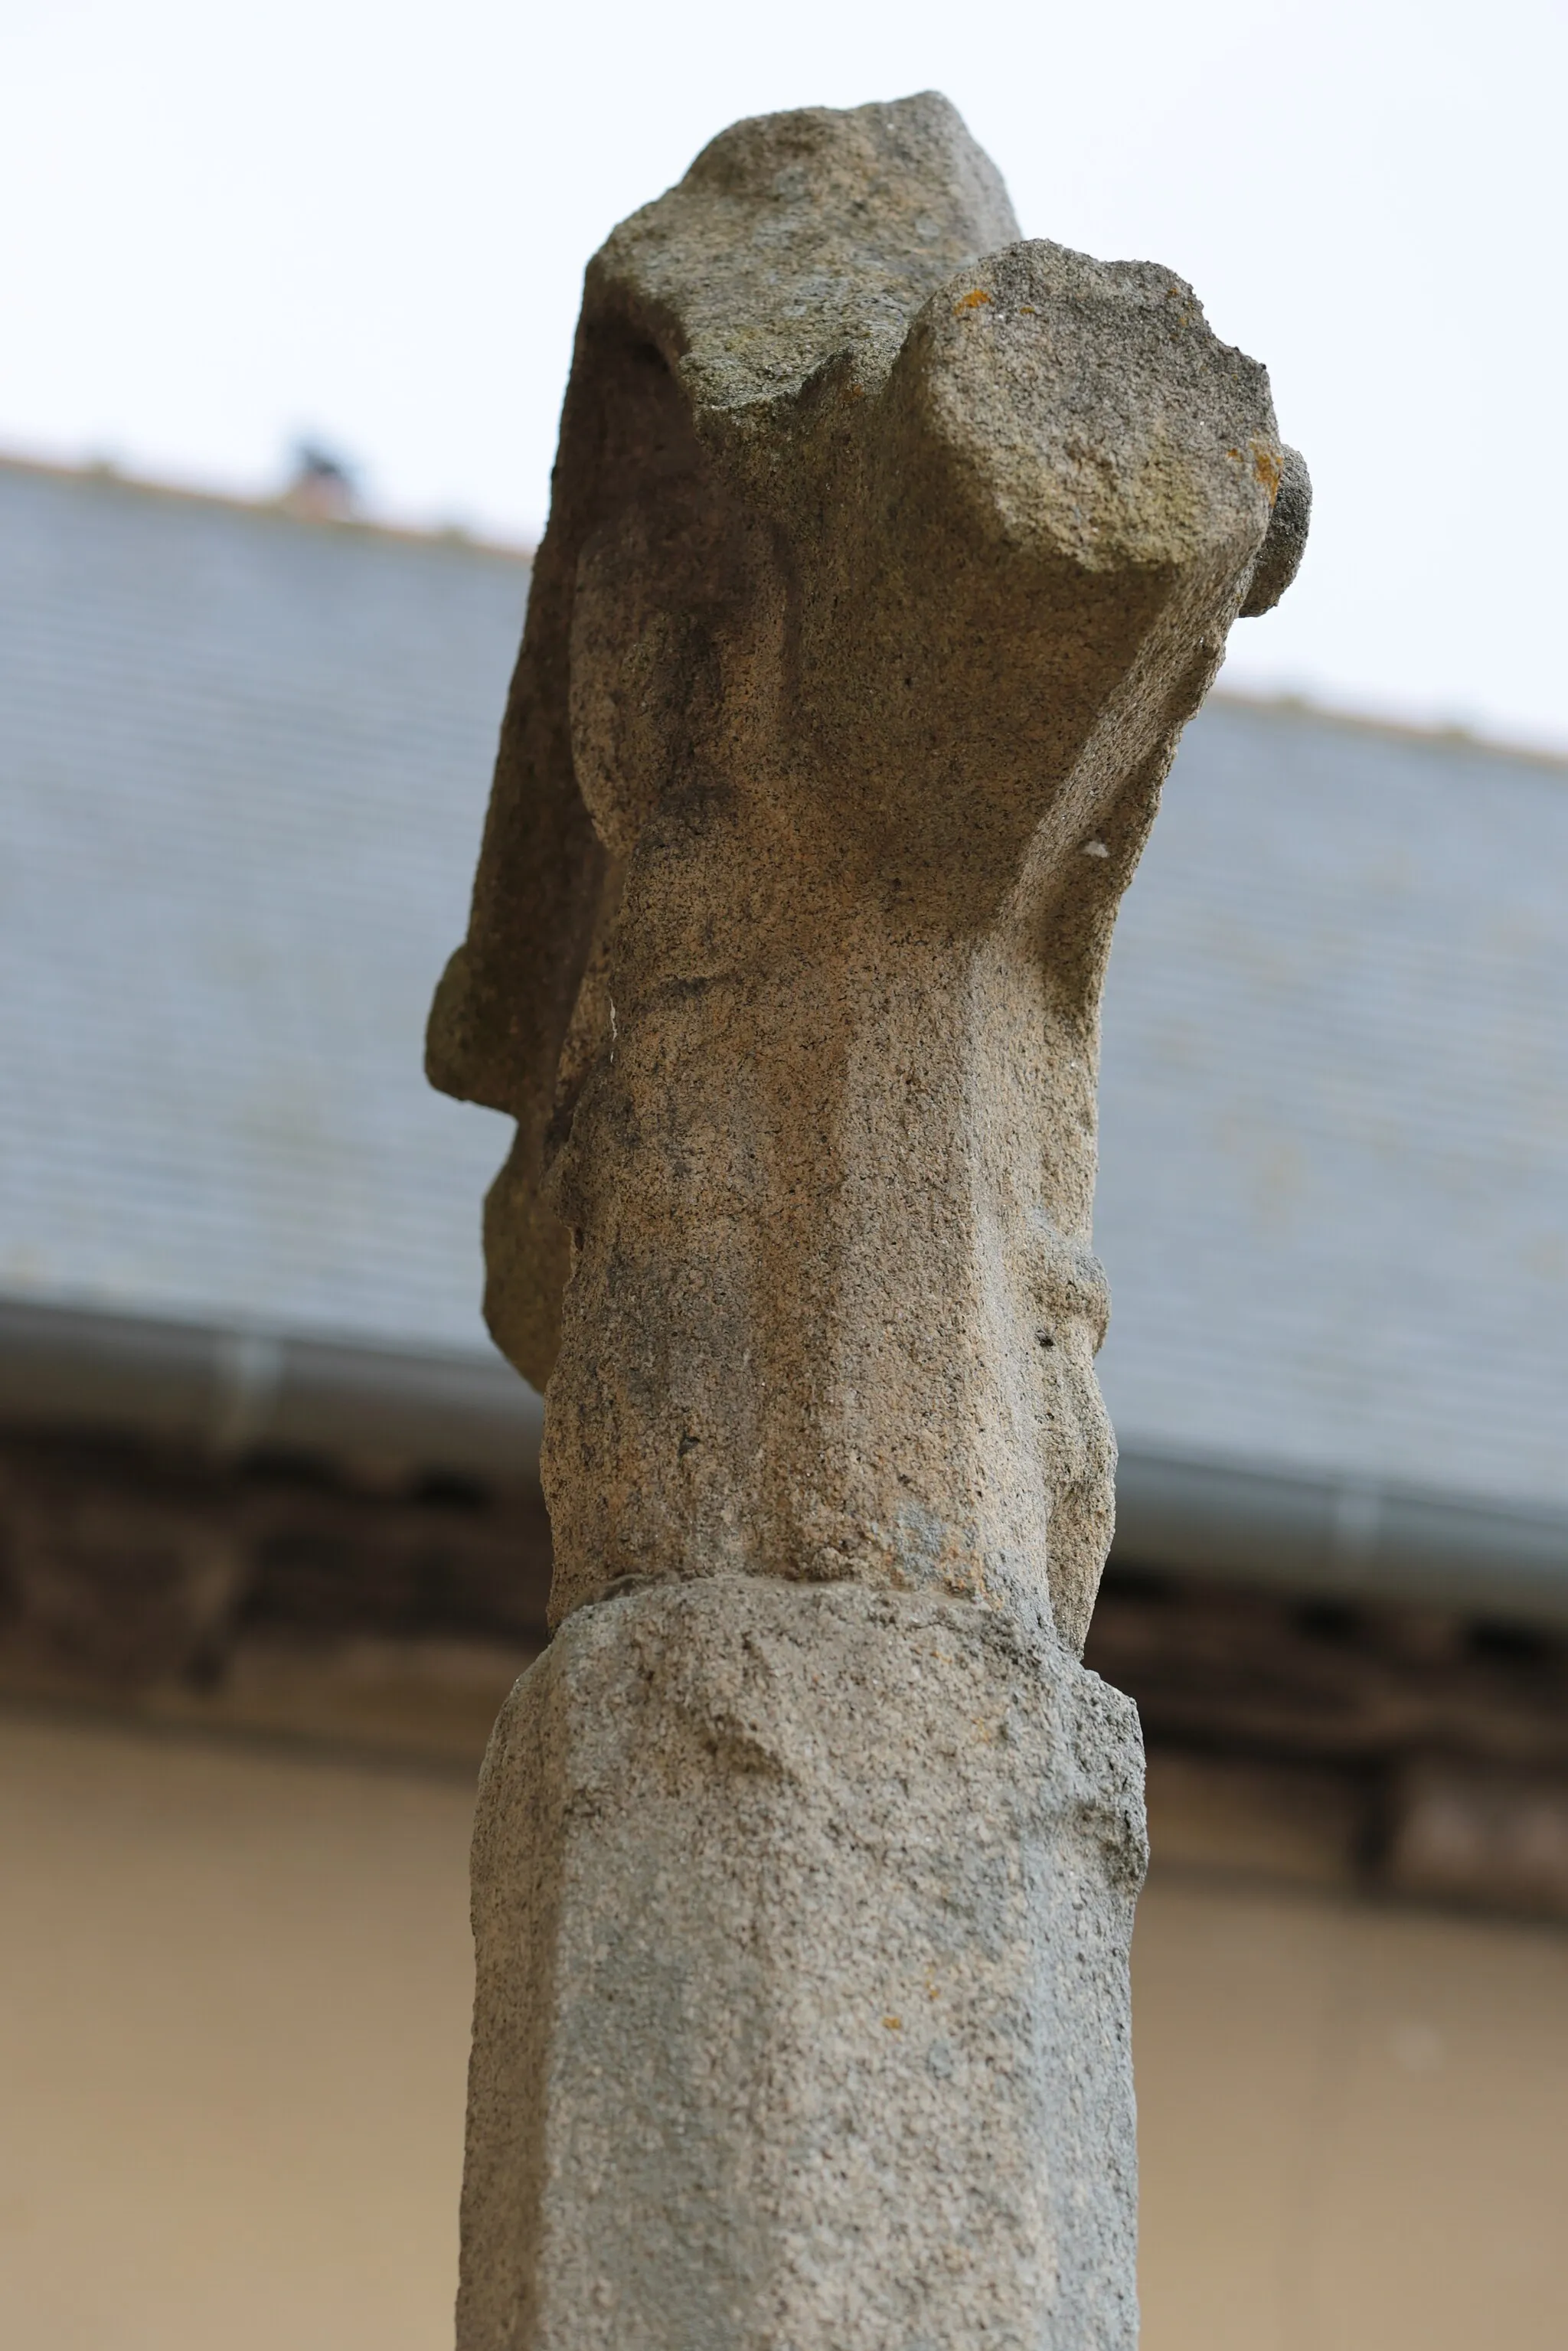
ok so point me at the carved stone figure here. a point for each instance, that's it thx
(888, 556)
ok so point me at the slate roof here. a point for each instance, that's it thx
(243, 765)
(1334, 1192)
(244, 762)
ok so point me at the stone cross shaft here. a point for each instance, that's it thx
(888, 556)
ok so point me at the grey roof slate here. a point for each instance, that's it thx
(244, 761)
(243, 765)
(1334, 1194)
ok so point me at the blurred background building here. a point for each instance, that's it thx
(272, 1546)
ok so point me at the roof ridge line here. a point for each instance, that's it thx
(103, 474)
(1407, 730)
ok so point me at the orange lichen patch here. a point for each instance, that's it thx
(893, 2024)
(1028, 310)
(1268, 468)
(971, 300)
(1236, 454)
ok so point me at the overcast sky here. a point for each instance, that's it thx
(228, 224)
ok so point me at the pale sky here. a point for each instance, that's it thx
(229, 224)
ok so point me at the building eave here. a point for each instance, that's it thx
(232, 1389)
(237, 1388)
(1342, 1539)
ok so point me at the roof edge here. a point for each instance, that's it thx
(232, 1389)
(1319, 1535)
(1431, 736)
(104, 475)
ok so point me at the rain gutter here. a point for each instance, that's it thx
(1341, 1538)
(232, 1389)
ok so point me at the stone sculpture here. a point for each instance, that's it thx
(888, 556)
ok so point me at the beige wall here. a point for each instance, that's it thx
(1354, 2129)
(232, 2013)
(233, 1995)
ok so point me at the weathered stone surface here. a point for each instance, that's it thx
(879, 582)
(888, 556)
(802, 1919)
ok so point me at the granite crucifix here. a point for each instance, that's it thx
(888, 556)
